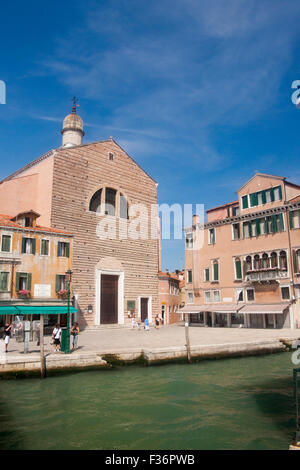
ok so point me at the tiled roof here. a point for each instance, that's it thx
(295, 199)
(7, 221)
(224, 205)
(169, 275)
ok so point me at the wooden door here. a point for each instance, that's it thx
(109, 299)
(144, 308)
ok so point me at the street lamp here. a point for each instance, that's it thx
(68, 281)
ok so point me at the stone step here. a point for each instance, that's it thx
(105, 327)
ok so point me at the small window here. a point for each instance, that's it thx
(60, 283)
(111, 156)
(6, 243)
(45, 247)
(206, 274)
(123, 207)
(28, 222)
(63, 249)
(235, 211)
(283, 260)
(239, 293)
(236, 231)
(4, 281)
(207, 297)
(28, 246)
(211, 236)
(190, 275)
(215, 270)
(285, 293)
(189, 240)
(250, 295)
(23, 281)
(190, 298)
(216, 295)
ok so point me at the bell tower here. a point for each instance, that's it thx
(72, 130)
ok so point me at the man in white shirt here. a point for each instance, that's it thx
(56, 334)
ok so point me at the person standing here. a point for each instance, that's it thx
(146, 323)
(132, 322)
(157, 322)
(56, 333)
(75, 333)
(7, 333)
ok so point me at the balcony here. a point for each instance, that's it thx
(266, 275)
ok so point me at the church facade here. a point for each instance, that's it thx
(108, 202)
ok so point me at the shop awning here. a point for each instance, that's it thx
(216, 308)
(265, 308)
(35, 310)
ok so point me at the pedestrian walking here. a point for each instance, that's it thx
(157, 322)
(75, 333)
(139, 323)
(7, 333)
(132, 322)
(56, 333)
(146, 324)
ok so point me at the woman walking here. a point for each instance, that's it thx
(7, 333)
(75, 333)
(56, 337)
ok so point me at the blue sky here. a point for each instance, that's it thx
(198, 92)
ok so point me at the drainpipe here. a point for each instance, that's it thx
(291, 261)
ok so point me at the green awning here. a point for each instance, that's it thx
(35, 310)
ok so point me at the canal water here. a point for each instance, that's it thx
(244, 403)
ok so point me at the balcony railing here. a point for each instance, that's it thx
(266, 274)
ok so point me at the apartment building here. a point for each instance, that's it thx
(243, 264)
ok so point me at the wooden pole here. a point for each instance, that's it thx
(43, 368)
(187, 337)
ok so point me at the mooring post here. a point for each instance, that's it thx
(187, 337)
(43, 368)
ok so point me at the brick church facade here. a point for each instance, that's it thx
(107, 201)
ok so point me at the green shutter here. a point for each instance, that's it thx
(33, 246)
(264, 197)
(250, 229)
(245, 202)
(17, 282)
(272, 195)
(3, 281)
(281, 222)
(253, 199)
(291, 215)
(6, 243)
(274, 224)
(216, 271)
(57, 283)
(29, 281)
(67, 250)
(266, 224)
(207, 274)
(257, 224)
(238, 269)
(295, 262)
(58, 248)
(280, 193)
(23, 245)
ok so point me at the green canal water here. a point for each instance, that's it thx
(244, 403)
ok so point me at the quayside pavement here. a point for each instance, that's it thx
(97, 347)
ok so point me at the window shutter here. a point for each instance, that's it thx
(33, 246)
(67, 250)
(281, 222)
(272, 195)
(295, 262)
(291, 219)
(17, 282)
(280, 192)
(257, 224)
(264, 197)
(245, 202)
(274, 223)
(216, 271)
(29, 281)
(238, 269)
(253, 199)
(250, 229)
(207, 274)
(23, 250)
(57, 283)
(58, 248)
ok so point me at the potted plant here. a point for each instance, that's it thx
(24, 293)
(62, 293)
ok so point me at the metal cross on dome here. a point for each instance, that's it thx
(75, 104)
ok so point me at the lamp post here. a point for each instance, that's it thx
(68, 281)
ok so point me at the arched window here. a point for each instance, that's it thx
(283, 260)
(265, 261)
(95, 202)
(274, 261)
(249, 263)
(257, 263)
(110, 201)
